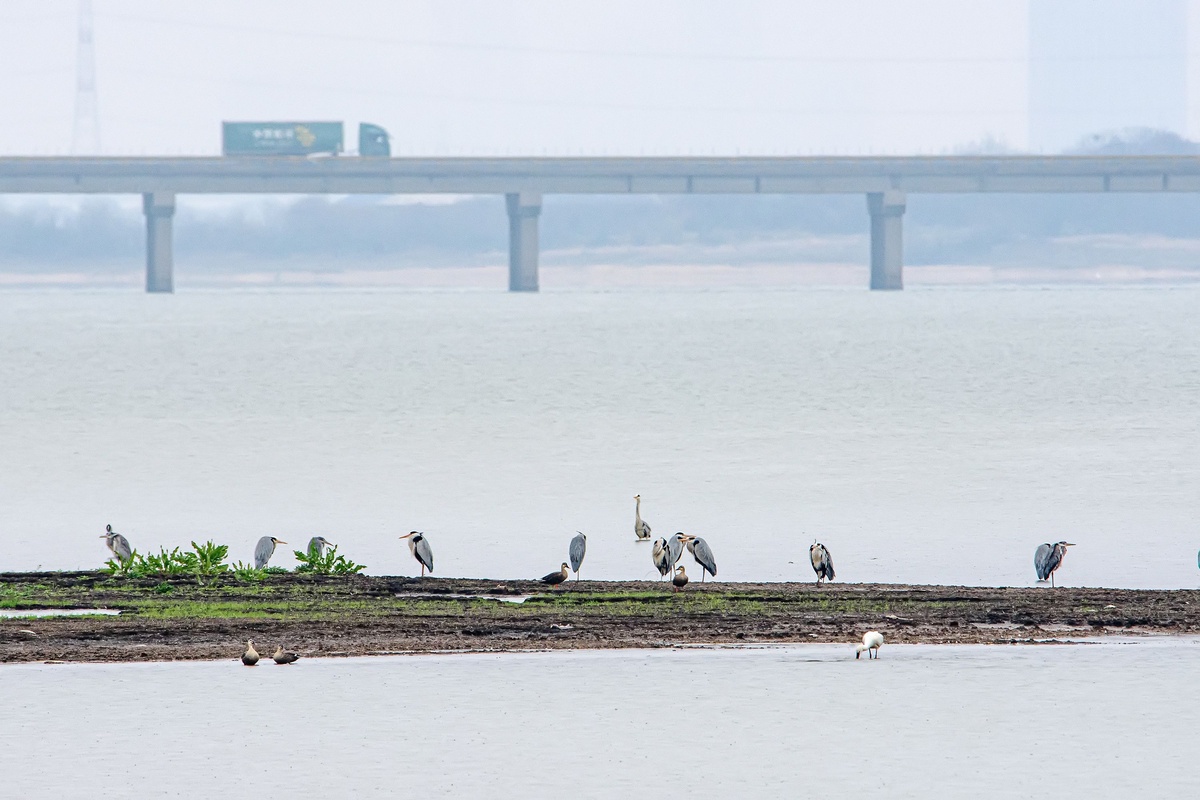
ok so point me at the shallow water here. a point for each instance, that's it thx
(924, 436)
(1090, 720)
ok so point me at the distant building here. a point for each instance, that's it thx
(1098, 66)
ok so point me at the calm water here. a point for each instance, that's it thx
(924, 436)
(1096, 721)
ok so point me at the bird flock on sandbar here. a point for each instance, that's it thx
(665, 553)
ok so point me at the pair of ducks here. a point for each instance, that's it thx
(281, 656)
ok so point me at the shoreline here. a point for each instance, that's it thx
(175, 618)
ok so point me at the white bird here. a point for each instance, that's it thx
(641, 529)
(264, 550)
(418, 545)
(872, 641)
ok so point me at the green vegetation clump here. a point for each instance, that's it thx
(330, 563)
(202, 561)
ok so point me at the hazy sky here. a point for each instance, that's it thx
(536, 76)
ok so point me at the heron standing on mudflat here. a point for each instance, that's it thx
(675, 547)
(703, 555)
(822, 562)
(1049, 558)
(576, 551)
(661, 555)
(641, 529)
(418, 545)
(264, 550)
(317, 545)
(117, 543)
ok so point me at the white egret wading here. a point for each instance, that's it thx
(872, 641)
(418, 545)
(1049, 558)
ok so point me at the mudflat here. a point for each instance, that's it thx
(179, 618)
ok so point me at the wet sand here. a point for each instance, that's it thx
(177, 619)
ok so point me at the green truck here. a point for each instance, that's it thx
(299, 139)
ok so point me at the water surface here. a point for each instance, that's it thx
(1091, 720)
(924, 436)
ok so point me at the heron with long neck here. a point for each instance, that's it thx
(661, 555)
(576, 551)
(703, 555)
(675, 547)
(264, 550)
(822, 562)
(641, 529)
(418, 545)
(117, 544)
(1048, 558)
(317, 545)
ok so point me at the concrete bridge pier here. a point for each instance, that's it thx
(523, 211)
(887, 241)
(160, 209)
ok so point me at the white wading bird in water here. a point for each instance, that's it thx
(117, 543)
(1049, 558)
(661, 555)
(872, 641)
(641, 529)
(418, 545)
(576, 551)
(822, 562)
(703, 555)
(264, 550)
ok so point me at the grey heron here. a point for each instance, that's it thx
(264, 550)
(822, 562)
(418, 545)
(641, 529)
(681, 579)
(555, 578)
(661, 555)
(872, 641)
(1049, 558)
(675, 547)
(703, 555)
(117, 543)
(282, 656)
(577, 549)
(250, 657)
(317, 545)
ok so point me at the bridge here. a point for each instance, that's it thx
(884, 181)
